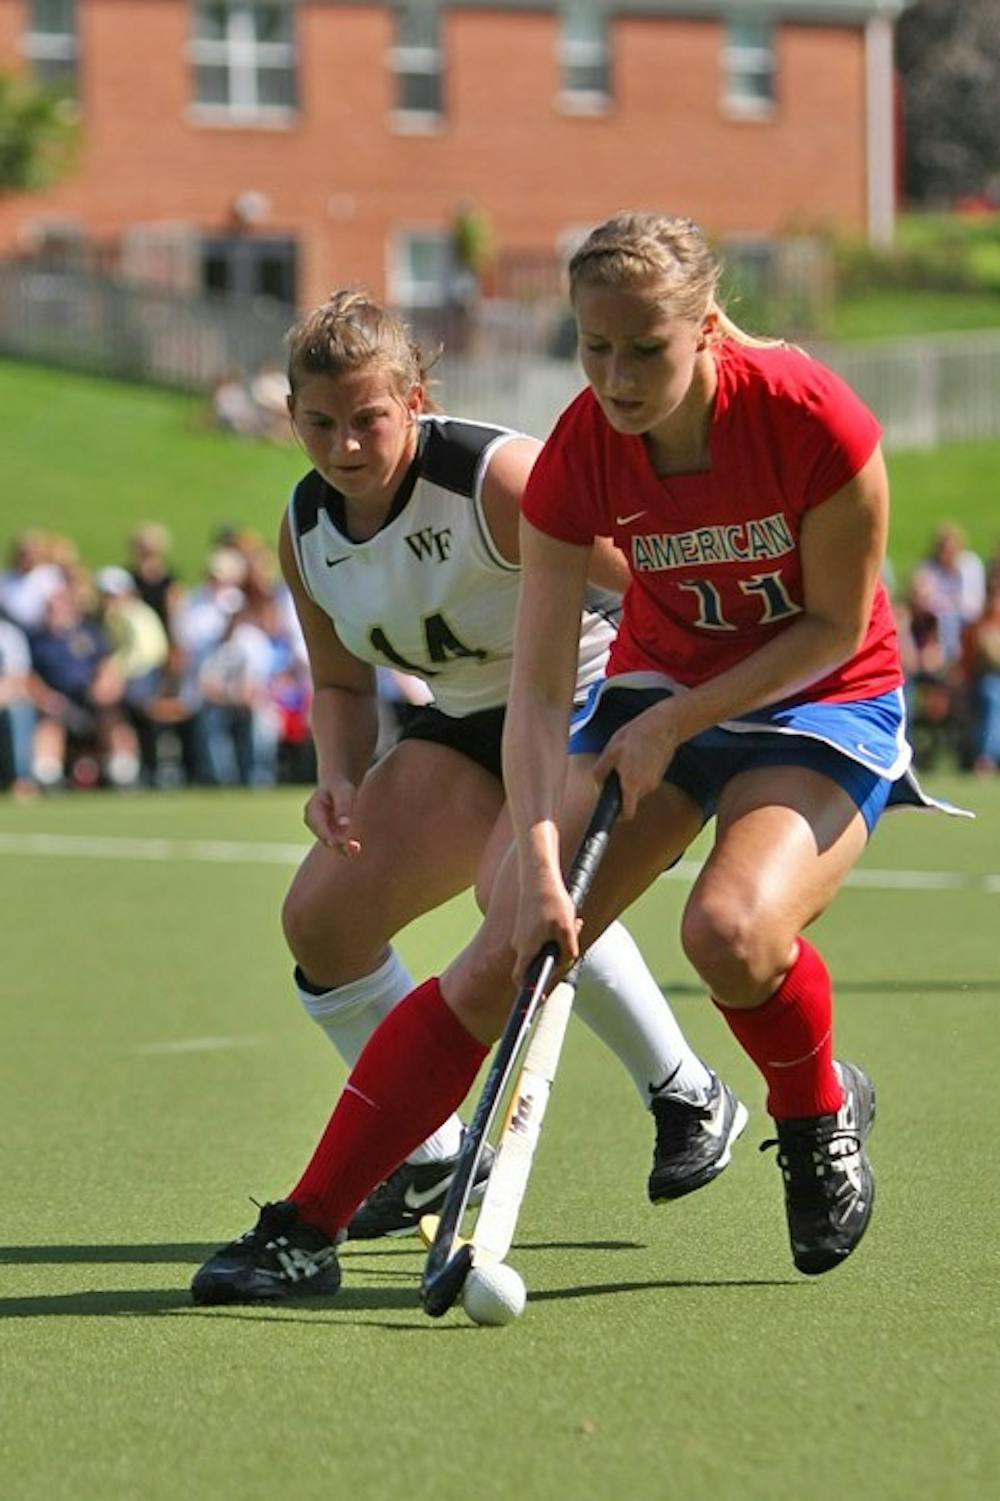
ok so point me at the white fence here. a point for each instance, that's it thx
(925, 391)
(141, 333)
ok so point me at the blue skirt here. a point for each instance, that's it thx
(861, 745)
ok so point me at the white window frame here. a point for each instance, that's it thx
(427, 59)
(742, 60)
(404, 290)
(578, 52)
(54, 47)
(240, 53)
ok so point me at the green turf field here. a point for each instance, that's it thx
(157, 1073)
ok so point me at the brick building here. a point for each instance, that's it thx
(284, 146)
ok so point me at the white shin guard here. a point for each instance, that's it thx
(622, 1004)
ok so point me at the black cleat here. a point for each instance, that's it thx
(279, 1258)
(397, 1205)
(829, 1182)
(693, 1142)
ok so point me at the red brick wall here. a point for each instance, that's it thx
(340, 177)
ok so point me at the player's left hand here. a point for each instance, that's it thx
(328, 815)
(640, 753)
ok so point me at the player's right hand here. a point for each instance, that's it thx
(328, 816)
(545, 914)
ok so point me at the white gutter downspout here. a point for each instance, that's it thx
(880, 130)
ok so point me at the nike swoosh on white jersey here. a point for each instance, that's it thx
(332, 562)
(624, 520)
(419, 1198)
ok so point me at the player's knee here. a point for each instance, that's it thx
(728, 945)
(310, 930)
(295, 923)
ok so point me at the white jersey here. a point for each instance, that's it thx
(430, 593)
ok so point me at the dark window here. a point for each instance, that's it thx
(50, 43)
(748, 65)
(243, 56)
(252, 265)
(417, 59)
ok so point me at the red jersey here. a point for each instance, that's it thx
(714, 556)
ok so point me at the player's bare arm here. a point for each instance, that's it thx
(842, 545)
(503, 486)
(608, 566)
(344, 712)
(535, 757)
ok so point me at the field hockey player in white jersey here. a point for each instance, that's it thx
(400, 547)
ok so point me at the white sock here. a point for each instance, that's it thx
(349, 1014)
(48, 770)
(622, 1004)
(123, 768)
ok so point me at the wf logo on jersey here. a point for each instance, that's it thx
(427, 543)
(736, 542)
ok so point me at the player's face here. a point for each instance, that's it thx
(640, 361)
(357, 430)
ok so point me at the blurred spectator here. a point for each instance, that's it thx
(240, 719)
(269, 391)
(149, 565)
(933, 685)
(204, 614)
(138, 676)
(171, 739)
(139, 650)
(291, 694)
(254, 408)
(17, 711)
(30, 580)
(135, 631)
(232, 405)
(982, 665)
(951, 582)
(921, 647)
(82, 724)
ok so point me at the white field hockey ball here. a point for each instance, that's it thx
(494, 1294)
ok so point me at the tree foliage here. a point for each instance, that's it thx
(948, 54)
(38, 135)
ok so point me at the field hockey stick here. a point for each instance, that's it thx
(448, 1262)
(508, 1181)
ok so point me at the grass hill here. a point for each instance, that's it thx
(91, 458)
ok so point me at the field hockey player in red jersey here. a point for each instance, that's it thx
(755, 678)
(401, 549)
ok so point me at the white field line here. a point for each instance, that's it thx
(109, 847)
(196, 1045)
(240, 852)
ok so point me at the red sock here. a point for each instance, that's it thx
(790, 1038)
(414, 1071)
